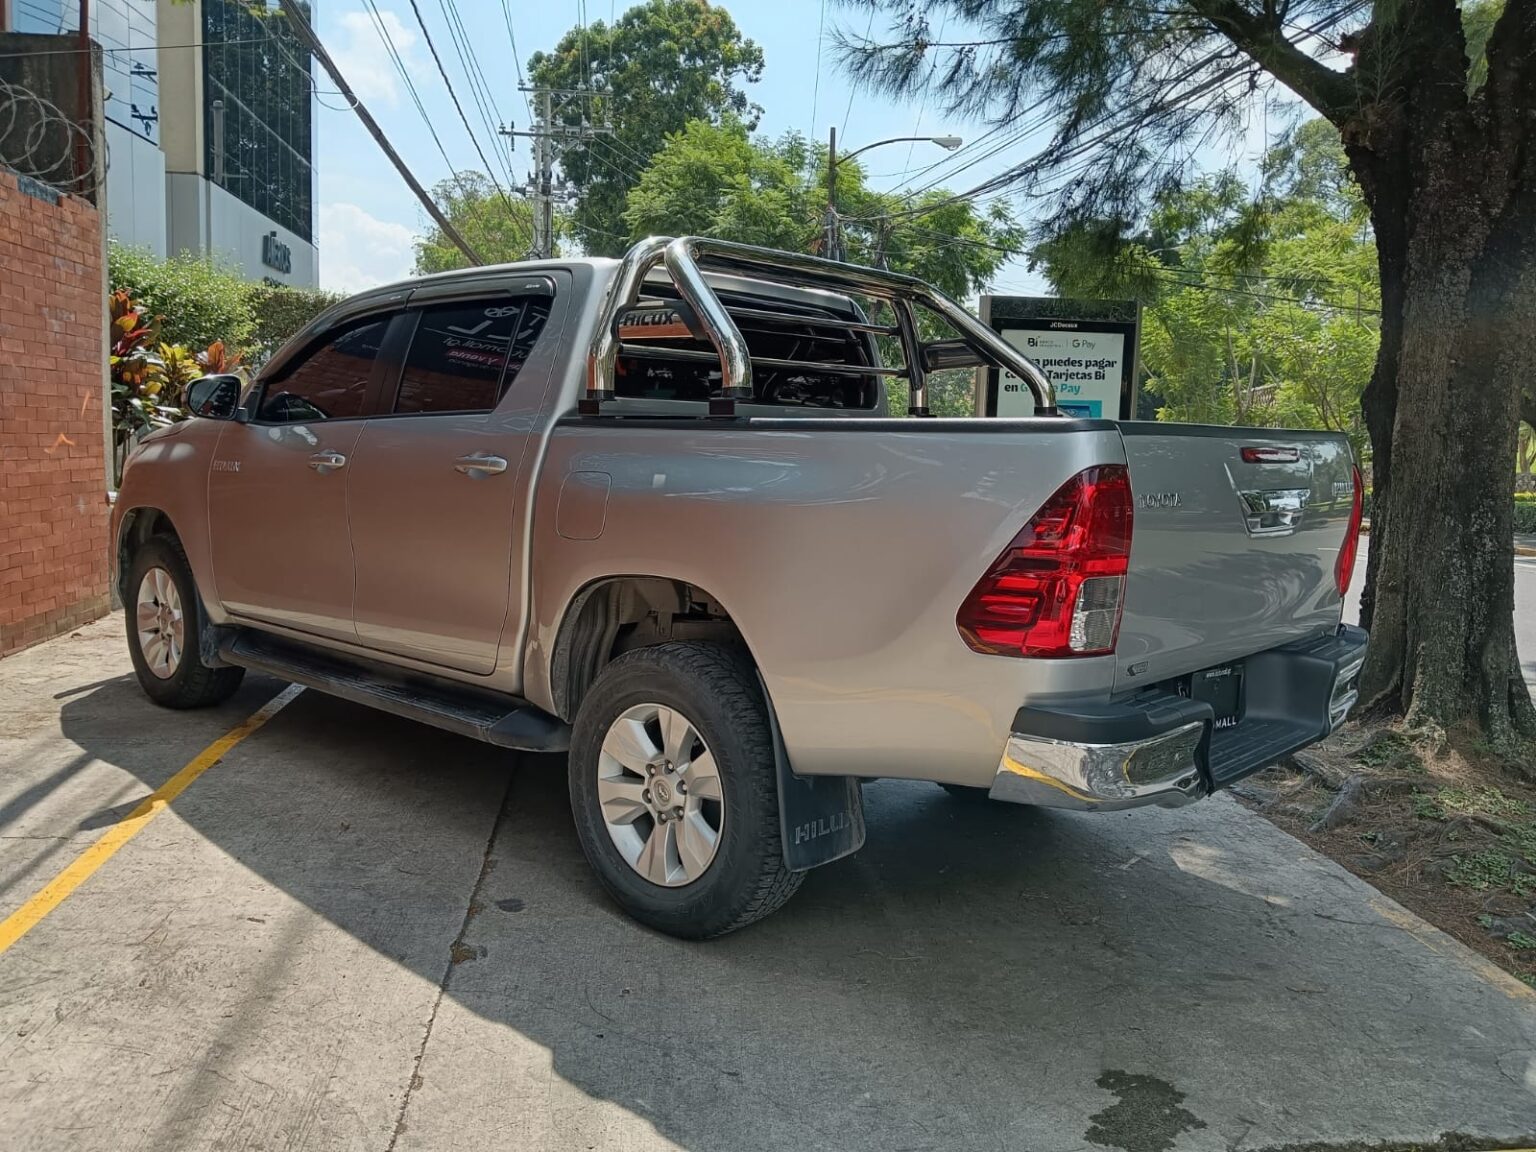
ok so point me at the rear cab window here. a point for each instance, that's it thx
(465, 355)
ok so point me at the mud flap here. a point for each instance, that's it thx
(821, 818)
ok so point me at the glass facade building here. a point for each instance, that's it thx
(130, 65)
(237, 182)
(262, 153)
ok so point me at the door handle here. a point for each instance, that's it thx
(480, 464)
(327, 461)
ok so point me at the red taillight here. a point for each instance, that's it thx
(1057, 590)
(1344, 570)
(1268, 454)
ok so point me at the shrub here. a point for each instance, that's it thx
(1525, 515)
(193, 302)
(278, 313)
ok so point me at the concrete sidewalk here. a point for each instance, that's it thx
(359, 933)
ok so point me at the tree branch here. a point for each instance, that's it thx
(1262, 39)
(1510, 91)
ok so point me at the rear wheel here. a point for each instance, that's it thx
(163, 630)
(674, 792)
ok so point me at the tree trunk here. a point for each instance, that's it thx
(1442, 409)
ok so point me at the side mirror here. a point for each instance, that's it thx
(215, 397)
(942, 354)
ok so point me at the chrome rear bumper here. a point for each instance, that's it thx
(1092, 777)
(1162, 748)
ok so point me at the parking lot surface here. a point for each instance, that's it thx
(353, 932)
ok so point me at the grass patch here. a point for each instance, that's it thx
(1484, 801)
(1481, 871)
(1385, 749)
(1521, 941)
(1427, 807)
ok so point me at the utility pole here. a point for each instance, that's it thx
(829, 240)
(305, 33)
(541, 188)
(832, 232)
(543, 202)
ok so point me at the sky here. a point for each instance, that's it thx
(367, 218)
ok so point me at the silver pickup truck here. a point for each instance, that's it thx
(654, 512)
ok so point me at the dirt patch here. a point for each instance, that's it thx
(1449, 836)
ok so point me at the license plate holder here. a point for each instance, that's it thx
(1222, 688)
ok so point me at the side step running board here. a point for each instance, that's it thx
(505, 721)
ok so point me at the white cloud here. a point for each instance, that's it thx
(360, 251)
(364, 59)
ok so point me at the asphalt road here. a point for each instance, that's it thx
(353, 932)
(1525, 607)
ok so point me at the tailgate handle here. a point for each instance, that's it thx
(1275, 512)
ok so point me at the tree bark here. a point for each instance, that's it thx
(1452, 194)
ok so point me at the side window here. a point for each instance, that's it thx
(464, 356)
(331, 383)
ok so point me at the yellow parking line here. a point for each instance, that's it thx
(79, 870)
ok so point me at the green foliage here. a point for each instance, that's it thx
(1525, 515)
(1260, 304)
(198, 305)
(663, 63)
(277, 313)
(1521, 941)
(141, 397)
(498, 227)
(1481, 871)
(1427, 807)
(1484, 801)
(193, 301)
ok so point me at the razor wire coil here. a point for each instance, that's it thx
(40, 140)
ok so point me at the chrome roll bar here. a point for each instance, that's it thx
(685, 259)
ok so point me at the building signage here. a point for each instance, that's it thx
(275, 254)
(1086, 347)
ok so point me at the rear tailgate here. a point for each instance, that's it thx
(1232, 552)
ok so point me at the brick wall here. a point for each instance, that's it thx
(53, 499)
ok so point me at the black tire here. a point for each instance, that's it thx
(717, 690)
(192, 684)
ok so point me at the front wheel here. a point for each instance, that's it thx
(674, 791)
(163, 637)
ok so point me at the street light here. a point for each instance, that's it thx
(830, 240)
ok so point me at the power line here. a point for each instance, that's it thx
(490, 114)
(854, 88)
(517, 60)
(821, 28)
(140, 48)
(394, 54)
(301, 26)
(454, 96)
(922, 105)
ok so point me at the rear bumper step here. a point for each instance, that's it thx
(1162, 748)
(501, 720)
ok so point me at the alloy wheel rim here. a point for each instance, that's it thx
(659, 789)
(160, 623)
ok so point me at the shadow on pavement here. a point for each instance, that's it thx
(971, 979)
